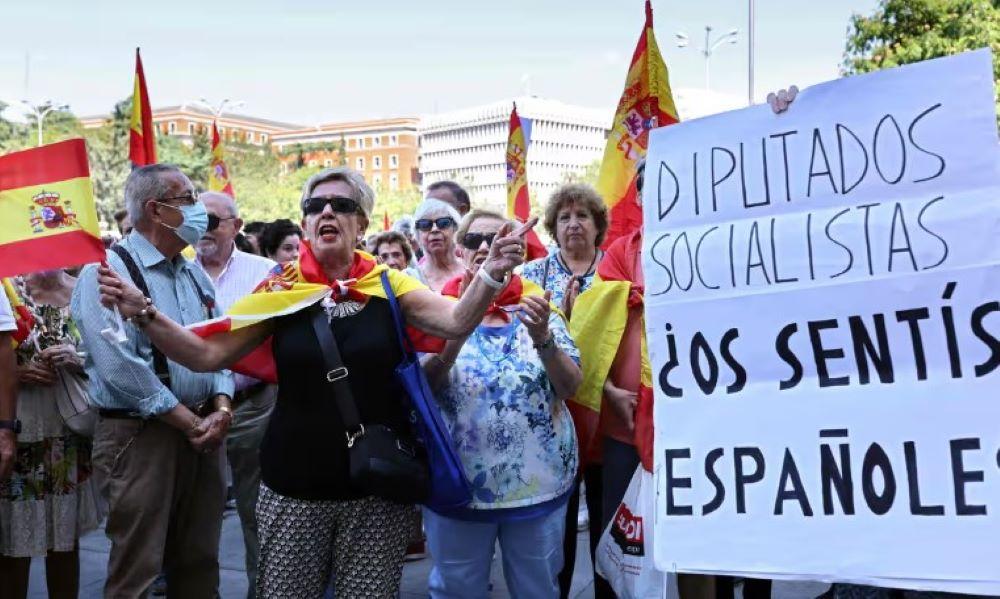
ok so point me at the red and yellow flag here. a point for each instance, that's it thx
(645, 104)
(141, 137)
(518, 204)
(218, 172)
(47, 214)
(23, 318)
(386, 225)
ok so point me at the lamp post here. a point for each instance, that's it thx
(218, 109)
(751, 34)
(41, 111)
(710, 45)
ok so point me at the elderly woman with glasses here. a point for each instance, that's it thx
(313, 519)
(436, 223)
(502, 392)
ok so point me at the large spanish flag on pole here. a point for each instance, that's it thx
(518, 204)
(141, 136)
(218, 173)
(645, 103)
(47, 214)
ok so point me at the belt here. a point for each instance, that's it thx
(120, 413)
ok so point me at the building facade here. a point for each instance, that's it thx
(385, 151)
(186, 122)
(469, 146)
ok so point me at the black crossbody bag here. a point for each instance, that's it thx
(383, 462)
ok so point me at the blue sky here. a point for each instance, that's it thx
(311, 61)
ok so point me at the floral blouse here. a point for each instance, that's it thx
(515, 438)
(53, 326)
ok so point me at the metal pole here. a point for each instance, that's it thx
(751, 33)
(708, 53)
(40, 117)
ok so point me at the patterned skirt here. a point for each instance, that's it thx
(51, 499)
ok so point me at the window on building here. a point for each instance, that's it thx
(263, 138)
(376, 162)
(360, 163)
(376, 181)
(394, 181)
(249, 137)
(393, 140)
(328, 163)
(190, 128)
(312, 163)
(393, 161)
(172, 127)
(377, 141)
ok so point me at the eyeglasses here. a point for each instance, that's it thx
(425, 224)
(215, 221)
(474, 241)
(338, 204)
(187, 199)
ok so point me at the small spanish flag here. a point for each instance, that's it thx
(518, 204)
(47, 214)
(141, 137)
(218, 172)
(23, 318)
(646, 103)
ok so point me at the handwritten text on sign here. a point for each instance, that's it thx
(822, 314)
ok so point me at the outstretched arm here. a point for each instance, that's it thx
(176, 342)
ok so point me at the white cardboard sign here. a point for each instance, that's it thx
(823, 319)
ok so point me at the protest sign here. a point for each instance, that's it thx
(823, 322)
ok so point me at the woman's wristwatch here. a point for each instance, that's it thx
(549, 343)
(144, 316)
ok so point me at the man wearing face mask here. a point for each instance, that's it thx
(157, 445)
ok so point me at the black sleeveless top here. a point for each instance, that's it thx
(304, 453)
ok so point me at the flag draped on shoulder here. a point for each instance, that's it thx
(646, 103)
(141, 136)
(518, 203)
(295, 286)
(24, 320)
(599, 321)
(218, 172)
(48, 218)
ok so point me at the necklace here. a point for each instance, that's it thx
(506, 349)
(590, 269)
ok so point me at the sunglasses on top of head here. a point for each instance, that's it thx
(474, 241)
(338, 204)
(425, 224)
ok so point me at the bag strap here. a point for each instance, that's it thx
(397, 316)
(160, 366)
(336, 376)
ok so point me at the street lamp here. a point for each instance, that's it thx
(710, 44)
(218, 109)
(41, 111)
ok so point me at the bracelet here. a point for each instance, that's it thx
(549, 342)
(144, 316)
(493, 283)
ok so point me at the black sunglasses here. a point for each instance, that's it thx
(474, 241)
(425, 224)
(339, 204)
(215, 221)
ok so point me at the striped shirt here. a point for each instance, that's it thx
(121, 374)
(242, 273)
(6, 314)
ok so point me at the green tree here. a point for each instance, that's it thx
(587, 175)
(13, 136)
(107, 149)
(904, 31)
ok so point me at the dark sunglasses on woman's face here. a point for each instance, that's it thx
(474, 241)
(425, 224)
(339, 204)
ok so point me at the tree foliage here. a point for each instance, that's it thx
(905, 31)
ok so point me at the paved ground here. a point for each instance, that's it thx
(94, 558)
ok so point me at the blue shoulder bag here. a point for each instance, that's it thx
(450, 489)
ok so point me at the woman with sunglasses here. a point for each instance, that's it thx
(502, 393)
(312, 522)
(577, 219)
(436, 223)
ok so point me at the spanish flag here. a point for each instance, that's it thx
(295, 286)
(646, 103)
(141, 137)
(23, 318)
(518, 205)
(386, 225)
(598, 324)
(47, 214)
(218, 172)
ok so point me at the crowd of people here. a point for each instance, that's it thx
(274, 301)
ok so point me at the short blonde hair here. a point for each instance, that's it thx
(361, 192)
(582, 195)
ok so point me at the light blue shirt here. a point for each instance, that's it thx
(121, 374)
